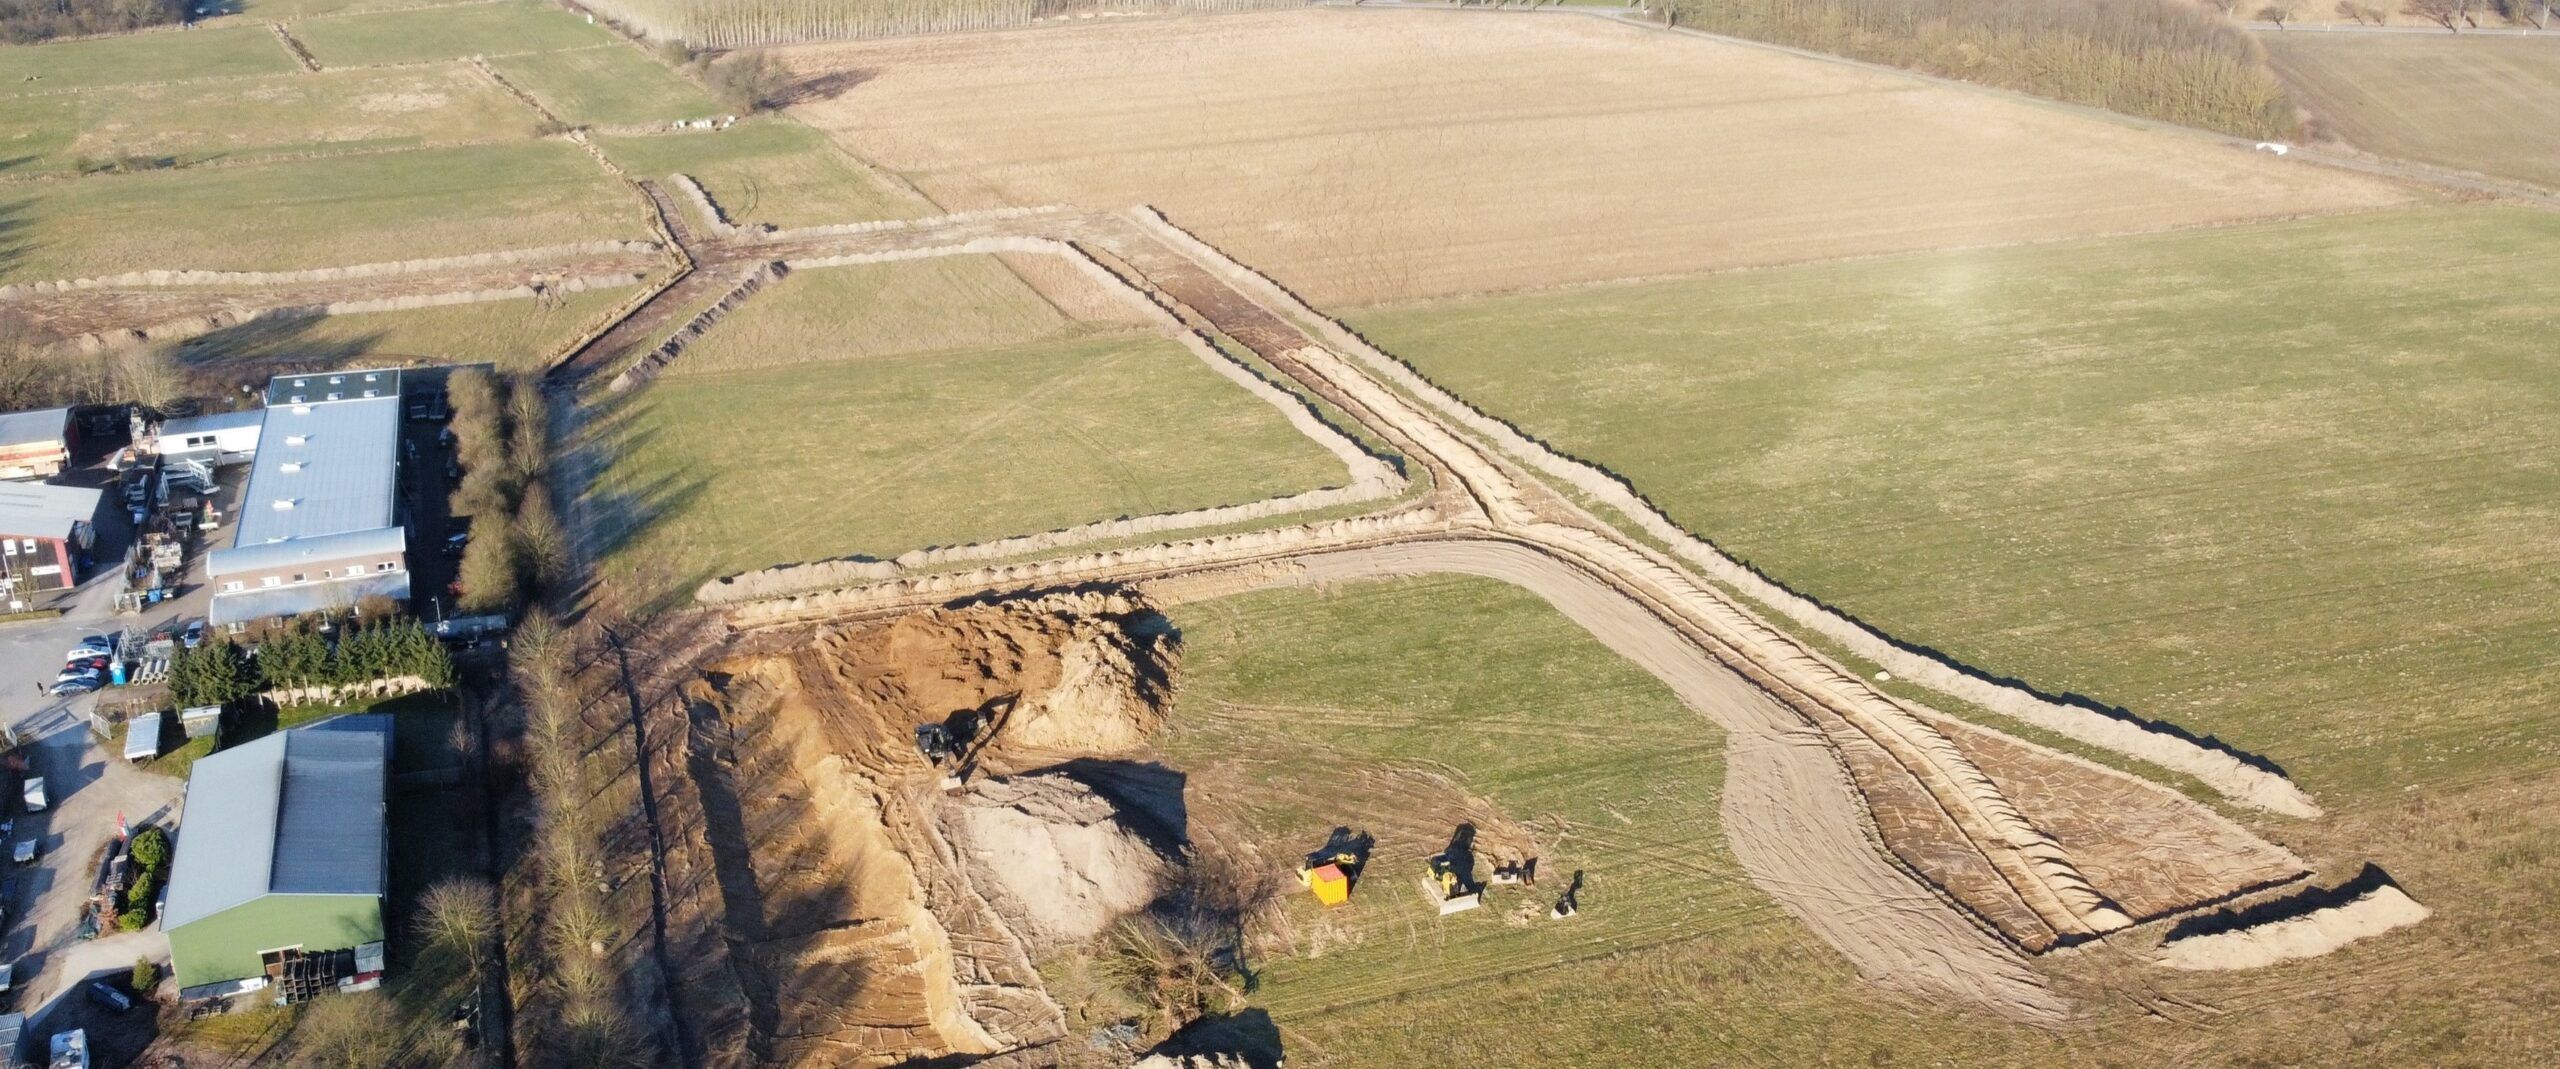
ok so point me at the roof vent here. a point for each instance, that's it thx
(283, 503)
(373, 393)
(371, 377)
(292, 466)
(334, 395)
(297, 400)
(296, 439)
(336, 379)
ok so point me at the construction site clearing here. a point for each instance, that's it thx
(903, 787)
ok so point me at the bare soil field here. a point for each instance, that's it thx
(1409, 154)
(2484, 104)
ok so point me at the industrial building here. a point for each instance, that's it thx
(35, 445)
(218, 439)
(46, 534)
(319, 525)
(282, 862)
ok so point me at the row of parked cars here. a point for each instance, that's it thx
(84, 669)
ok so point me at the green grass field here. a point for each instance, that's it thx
(883, 455)
(607, 86)
(283, 115)
(868, 310)
(314, 213)
(513, 334)
(1385, 705)
(413, 36)
(2485, 104)
(139, 58)
(769, 171)
(289, 10)
(2296, 484)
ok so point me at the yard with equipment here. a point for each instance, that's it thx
(2477, 103)
(1498, 153)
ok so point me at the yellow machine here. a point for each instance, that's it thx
(1328, 875)
(1456, 890)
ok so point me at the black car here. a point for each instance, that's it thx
(105, 994)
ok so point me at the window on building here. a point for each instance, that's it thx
(387, 566)
(297, 577)
(234, 585)
(269, 580)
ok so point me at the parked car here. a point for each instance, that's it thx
(35, 797)
(105, 994)
(193, 636)
(77, 665)
(71, 684)
(94, 646)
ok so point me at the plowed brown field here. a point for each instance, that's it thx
(1400, 154)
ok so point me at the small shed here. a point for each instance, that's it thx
(1331, 886)
(35, 445)
(142, 737)
(201, 720)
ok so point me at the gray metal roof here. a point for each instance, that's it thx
(330, 386)
(268, 556)
(260, 603)
(322, 469)
(297, 812)
(41, 425)
(211, 422)
(43, 510)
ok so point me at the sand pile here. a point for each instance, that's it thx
(2307, 935)
(1057, 859)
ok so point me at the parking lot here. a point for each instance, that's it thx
(90, 787)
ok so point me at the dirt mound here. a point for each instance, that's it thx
(873, 915)
(1057, 859)
(1030, 682)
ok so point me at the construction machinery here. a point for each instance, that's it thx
(1329, 872)
(1455, 891)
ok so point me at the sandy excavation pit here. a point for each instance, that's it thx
(869, 914)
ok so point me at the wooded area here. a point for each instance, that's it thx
(23, 21)
(2166, 59)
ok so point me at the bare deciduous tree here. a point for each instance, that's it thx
(460, 914)
(2445, 13)
(2276, 13)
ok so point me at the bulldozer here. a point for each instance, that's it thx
(1455, 891)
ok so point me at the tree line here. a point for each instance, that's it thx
(221, 672)
(28, 21)
(2167, 59)
(502, 439)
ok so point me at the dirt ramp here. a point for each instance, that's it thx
(1057, 859)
